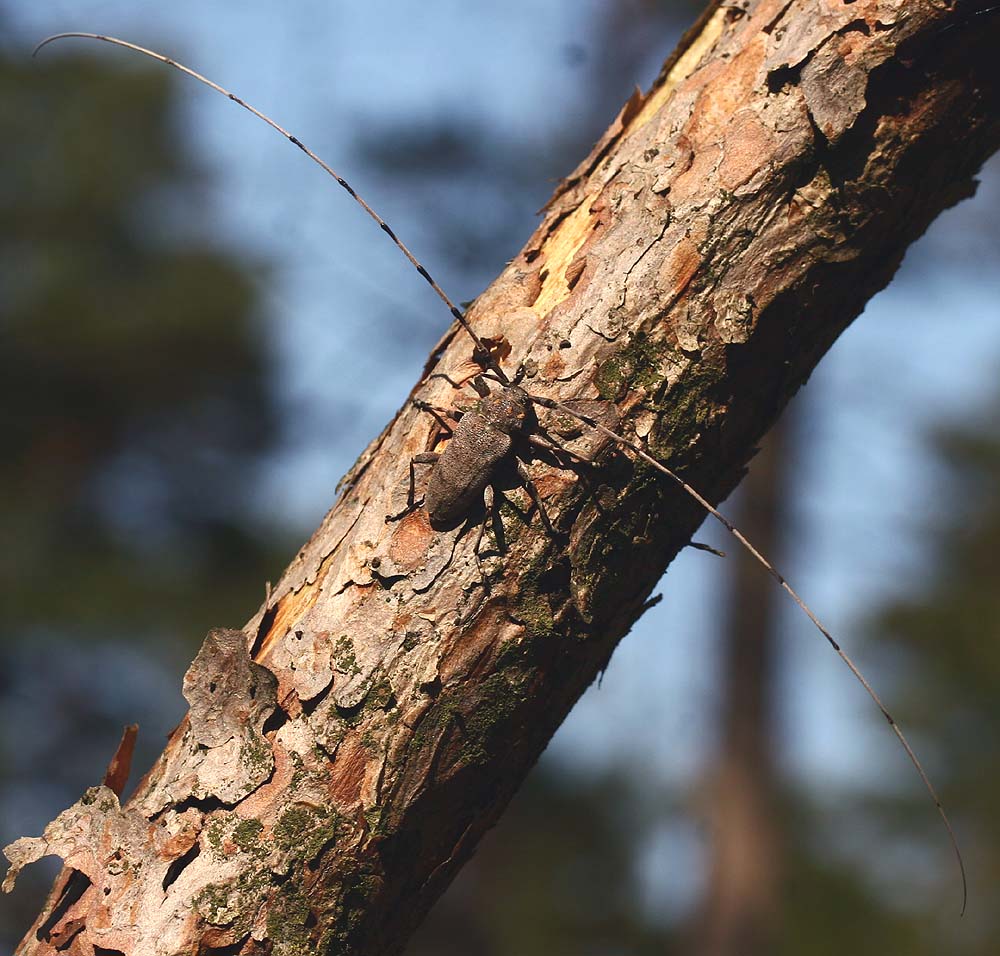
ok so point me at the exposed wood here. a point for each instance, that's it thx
(692, 271)
(116, 776)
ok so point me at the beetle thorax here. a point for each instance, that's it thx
(508, 410)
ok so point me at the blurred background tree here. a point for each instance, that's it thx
(180, 398)
(135, 406)
(136, 401)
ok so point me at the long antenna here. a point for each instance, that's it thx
(456, 312)
(487, 356)
(780, 578)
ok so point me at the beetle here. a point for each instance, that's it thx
(481, 440)
(494, 432)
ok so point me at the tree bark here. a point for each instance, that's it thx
(345, 751)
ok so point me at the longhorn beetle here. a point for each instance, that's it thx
(484, 437)
(506, 413)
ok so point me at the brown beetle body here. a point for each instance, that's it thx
(480, 442)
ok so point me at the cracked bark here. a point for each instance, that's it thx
(691, 271)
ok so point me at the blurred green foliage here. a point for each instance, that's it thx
(134, 399)
(945, 642)
(135, 410)
(559, 875)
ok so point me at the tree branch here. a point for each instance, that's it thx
(684, 282)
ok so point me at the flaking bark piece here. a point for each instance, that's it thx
(231, 697)
(222, 752)
(85, 836)
(834, 89)
(116, 776)
(228, 693)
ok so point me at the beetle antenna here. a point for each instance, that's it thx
(773, 571)
(456, 312)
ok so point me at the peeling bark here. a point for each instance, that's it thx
(687, 277)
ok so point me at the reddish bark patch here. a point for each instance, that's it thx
(553, 366)
(411, 540)
(179, 843)
(349, 772)
(679, 267)
(748, 148)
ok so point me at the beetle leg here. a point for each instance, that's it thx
(447, 378)
(493, 377)
(488, 501)
(549, 444)
(440, 414)
(535, 497)
(424, 458)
